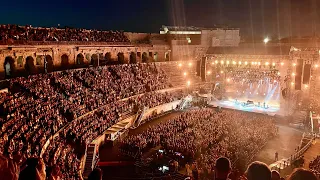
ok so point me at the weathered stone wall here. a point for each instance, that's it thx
(62, 54)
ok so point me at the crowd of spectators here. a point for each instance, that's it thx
(203, 135)
(40, 106)
(28, 33)
(315, 166)
(250, 76)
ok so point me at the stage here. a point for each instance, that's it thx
(272, 109)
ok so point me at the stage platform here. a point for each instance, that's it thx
(231, 104)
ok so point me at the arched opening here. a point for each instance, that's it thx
(121, 58)
(144, 57)
(9, 67)
(94, 59)
(65, 61)
(48, 64)
(29, 66)
(133, 58)
(108, 57)
(80, 60)
(166, 56)
(155, 56)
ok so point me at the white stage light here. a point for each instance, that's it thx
(266, 40)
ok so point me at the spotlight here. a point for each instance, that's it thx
(233, 62)
(212, 63)
(267, 63)
(293, 74)
(278, 73)
(184, 73)
(188, 83)
(252, 63)
(228, 80)
(246, 63)
(190, 64)
(221, 72)
(222, 62)
(294, 64)
(266, 40)
(216, 62)
(209, 72)
(180, 64)
(273, 64)
(292, 83)
(316, 65)
(282, 64)
(227, 62)
(306, 86)
(259, 63)
(240, 62)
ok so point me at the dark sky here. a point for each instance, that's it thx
(254, 17)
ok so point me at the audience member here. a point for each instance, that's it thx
(258, 171)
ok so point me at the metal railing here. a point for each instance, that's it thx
(284, 163)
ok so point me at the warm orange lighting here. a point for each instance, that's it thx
(184, 73)
(292, 83)
(228, 80)
(259, 63)
(294, 64)
(246, 63)
(306, 86)
(188, 83)
(267, 63)
(212, 63)
(190, 64)
(316, 65)
(273, 64)
(216, 62)
(240, 62)
(221, 72)
(278, 73)
(209, 72)
(293, 74)
(228, 62)
(282, 64)
(222, 62)
(180, 64)
(233, 62)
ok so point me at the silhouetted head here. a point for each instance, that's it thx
(258, 171)
(302, 174)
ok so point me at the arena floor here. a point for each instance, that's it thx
(284, 144)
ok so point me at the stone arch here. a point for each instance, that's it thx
(80, 60)
(48, 64)
(133, 58)
(64, 61)
(167, 56)
(94, 59)
(108, 57)
(29, 66)
(9, 67)
(155, 56)
(144, 57)
(121, 59)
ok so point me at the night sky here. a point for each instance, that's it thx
(277, 18)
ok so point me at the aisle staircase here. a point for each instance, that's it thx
(139, 116)
(90, 160)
